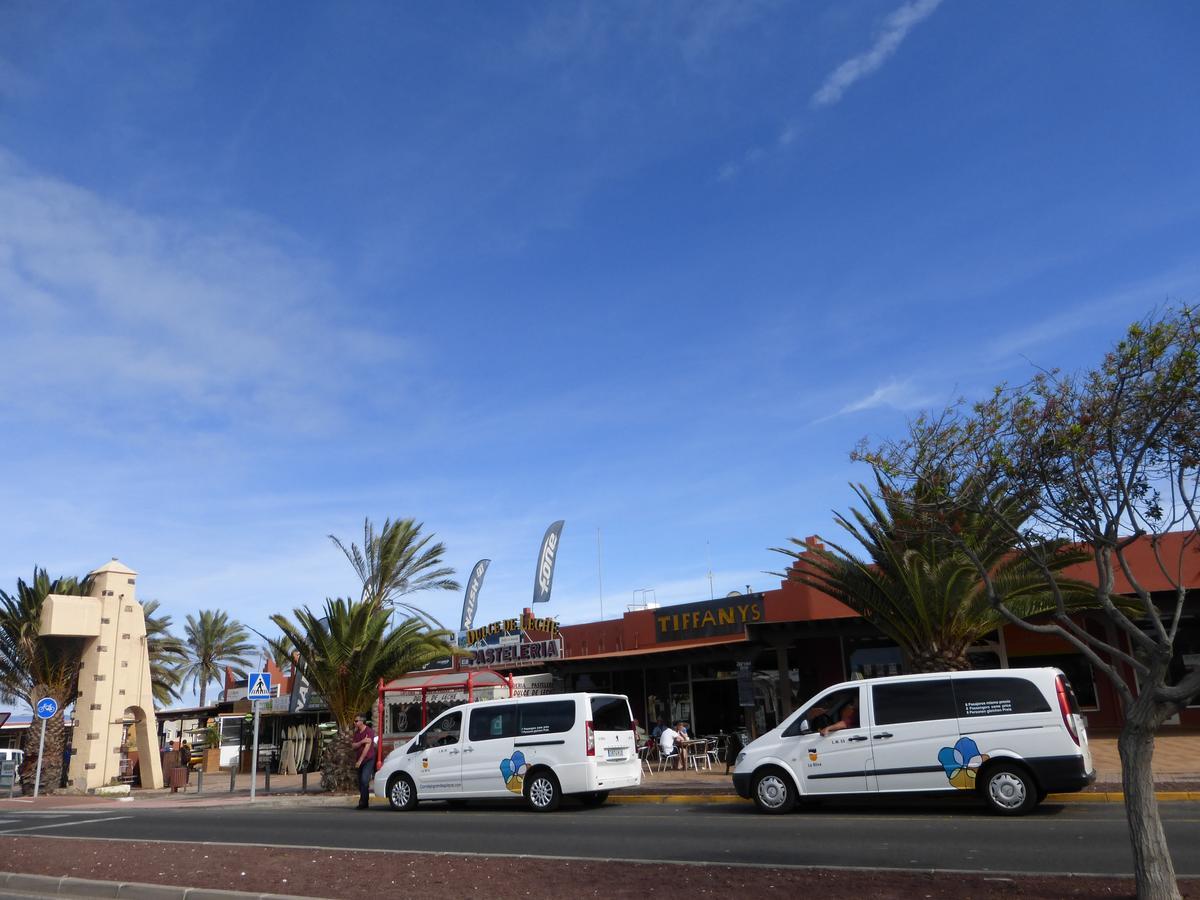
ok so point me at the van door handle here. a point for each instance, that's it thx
(859, 737)
(884, 734)
(468, 750)
(452, 752)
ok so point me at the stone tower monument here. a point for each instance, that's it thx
(114, 679)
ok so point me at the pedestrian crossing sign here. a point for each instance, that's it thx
(258, 686)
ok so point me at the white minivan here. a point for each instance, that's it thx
(1009, 735)
(536, 748)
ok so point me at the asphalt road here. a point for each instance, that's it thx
(1079, 838)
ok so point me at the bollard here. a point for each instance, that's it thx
(267, 775)
(200, 781)
(304, 782)
(232, 777)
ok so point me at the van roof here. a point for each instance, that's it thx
(1039, 671)
(571, 696)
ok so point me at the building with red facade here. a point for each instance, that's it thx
(749, 660)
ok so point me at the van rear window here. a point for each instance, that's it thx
(611, 714)
(550, 717)
(998, 697)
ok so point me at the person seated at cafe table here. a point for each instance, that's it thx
(668, 742)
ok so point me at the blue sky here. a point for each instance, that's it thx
(653, 268)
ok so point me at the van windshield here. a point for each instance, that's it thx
(611, 714)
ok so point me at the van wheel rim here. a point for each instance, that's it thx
(772, 791)
(541, 792)
(400, 792)
(1007, 790)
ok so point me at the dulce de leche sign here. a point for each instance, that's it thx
(709, 619)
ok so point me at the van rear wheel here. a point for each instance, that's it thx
(1010, 790)
(402, 793)
(542, 791)
(773, 791)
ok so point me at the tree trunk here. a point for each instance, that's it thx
(933, 660)
(338, 771)
(1152, 866)
(52, 761)
(203, 692)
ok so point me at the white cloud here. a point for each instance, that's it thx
(893, 32)
(162, 319)
(892, 394)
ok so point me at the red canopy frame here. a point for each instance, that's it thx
(469, 682)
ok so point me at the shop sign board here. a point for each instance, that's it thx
(745, 682)
(526, 653)
(729, 615)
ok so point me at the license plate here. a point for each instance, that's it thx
(616, 752)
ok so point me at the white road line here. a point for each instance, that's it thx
(64, 824)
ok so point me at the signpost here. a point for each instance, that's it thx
(45, 708)
(258, 688)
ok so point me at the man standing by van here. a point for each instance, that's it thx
(364, 745)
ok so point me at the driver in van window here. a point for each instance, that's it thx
(849, 719)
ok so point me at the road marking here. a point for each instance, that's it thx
(64, 824)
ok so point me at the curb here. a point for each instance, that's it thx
(65, 886)
(1081, 797)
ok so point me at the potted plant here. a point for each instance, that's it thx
(212, 747)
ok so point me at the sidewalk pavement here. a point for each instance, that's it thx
(1176, 775)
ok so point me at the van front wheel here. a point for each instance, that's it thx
(402, 793)
(1010, 791)
(542, 791)
(774, 791)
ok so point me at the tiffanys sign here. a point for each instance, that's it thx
(527, 641)
(709, 619)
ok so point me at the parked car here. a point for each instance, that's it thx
(1010, 736)
(536, 748)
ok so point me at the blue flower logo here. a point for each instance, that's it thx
(962, 762)
(513, 771)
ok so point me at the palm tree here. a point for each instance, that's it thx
(344, 653)
(168, 655)
(920, 582)
(213, 642)
(32, 666)
(398, 561)
(278, 651)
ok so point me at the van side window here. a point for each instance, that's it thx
(549, 717)
(913, 701)
(825, 711)
(998, 697)
(493, 722)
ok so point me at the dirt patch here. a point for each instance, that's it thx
(362, 874)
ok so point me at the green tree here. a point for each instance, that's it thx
(397, 561)
(168, 655)
(33, 666)
(916, 584)
(1111, 459)
(344, 651)
(213, 642)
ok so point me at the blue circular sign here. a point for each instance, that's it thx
(47, 707)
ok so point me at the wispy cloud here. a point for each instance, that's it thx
(892, 394)
(894, 30)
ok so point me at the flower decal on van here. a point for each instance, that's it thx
(513, 771)
(962, 762)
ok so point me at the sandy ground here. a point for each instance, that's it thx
(361, 874)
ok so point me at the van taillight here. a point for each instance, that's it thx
(1064, 707)
(590, 732)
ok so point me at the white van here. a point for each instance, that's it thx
(538, 748)
(1009, 735)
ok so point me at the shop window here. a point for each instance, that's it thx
(1077, 669)
(1187, 654)
(551, 717)
(913, 701)
(876, 662)
(998, 697)
(493, 722)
